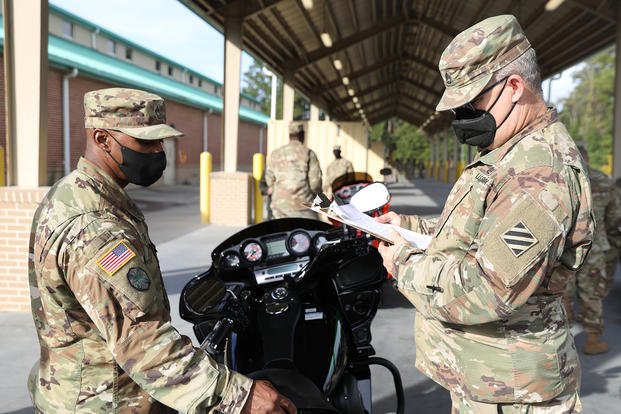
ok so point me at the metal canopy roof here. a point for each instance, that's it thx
(389, 49)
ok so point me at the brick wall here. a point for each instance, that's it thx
(186, 118)
(17, 208)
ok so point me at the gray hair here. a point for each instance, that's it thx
(526, 66)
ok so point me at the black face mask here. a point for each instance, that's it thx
(477, 127)
(139, 167)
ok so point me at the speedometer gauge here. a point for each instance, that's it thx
(299, 243)
(252, 251)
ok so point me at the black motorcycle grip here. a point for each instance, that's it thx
(214, 340)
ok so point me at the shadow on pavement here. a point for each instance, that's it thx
(391, 298)
(425, 397)
(595, 379)
(27, 410)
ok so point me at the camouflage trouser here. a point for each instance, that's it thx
(612, 258)
(591, 285)
(562, 405)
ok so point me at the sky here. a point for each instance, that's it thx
(172, 30)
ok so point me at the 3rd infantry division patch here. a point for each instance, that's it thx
(519, 239)
(112, 261)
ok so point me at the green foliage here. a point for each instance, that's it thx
(406, 143)
(258, 85)
(588, 110)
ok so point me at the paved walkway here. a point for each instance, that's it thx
(184, 247)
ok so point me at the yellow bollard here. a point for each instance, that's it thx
(205, 185)
(447, 169)
(460, 169)
(2, 167)
(258, 164)
(607, 168)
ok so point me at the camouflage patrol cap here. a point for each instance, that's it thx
(295, 128)
(136, 113)
(469, 61)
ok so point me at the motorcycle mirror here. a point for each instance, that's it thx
(371, 197)
(385, 171)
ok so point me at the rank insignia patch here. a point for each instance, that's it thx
(519, 239)
(138, 279)
(112, 261)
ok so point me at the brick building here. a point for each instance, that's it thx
(101, 59)
(84, 57)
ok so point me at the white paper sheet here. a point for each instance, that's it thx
(352, 216)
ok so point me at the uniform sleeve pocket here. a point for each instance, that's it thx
(120, 265)
(518, 240)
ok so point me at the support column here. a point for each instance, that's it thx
(616, 135)
(287, 102)
(25, 72)
(314, 113)
(232, 79)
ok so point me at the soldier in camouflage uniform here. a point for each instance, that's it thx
(337, 168)
(98, 300)
(490, 324)
(593, 282)
(293, 176)
(614, 236)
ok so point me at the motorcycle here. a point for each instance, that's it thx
(291, 301)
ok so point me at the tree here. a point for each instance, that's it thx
(588, 110)
(259, 85)
(405, 142)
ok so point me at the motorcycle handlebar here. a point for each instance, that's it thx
(215, 340)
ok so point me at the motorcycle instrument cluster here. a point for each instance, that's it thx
(264, 256)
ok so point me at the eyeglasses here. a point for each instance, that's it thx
(468, 110)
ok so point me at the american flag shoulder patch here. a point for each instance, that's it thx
(519, 239)
(115, 258)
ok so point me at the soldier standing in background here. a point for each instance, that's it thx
(594, 280)
(337, 168)
(98, 299)
(614, 237)
(490, 324)
(293, 177)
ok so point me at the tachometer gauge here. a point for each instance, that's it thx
(299, 242)
(252, 251)
(231, 259)
(319, 241)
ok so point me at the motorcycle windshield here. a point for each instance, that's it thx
(267, 227)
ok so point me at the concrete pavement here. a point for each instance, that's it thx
(184, 245)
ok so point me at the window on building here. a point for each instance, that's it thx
(111, 47)
(158, 65)
(67, 28)
(170, 70)
(200, 83)
(129, 52)
(191, 79)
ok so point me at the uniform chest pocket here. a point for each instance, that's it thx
(456, 200)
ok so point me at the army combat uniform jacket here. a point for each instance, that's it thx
(294, 175)
(336, 169)
(490, 326)
(102, 314)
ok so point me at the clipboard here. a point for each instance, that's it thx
(367, 224)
